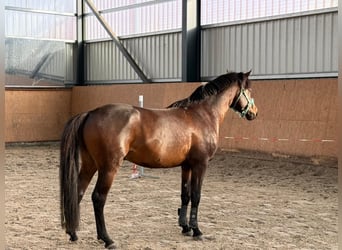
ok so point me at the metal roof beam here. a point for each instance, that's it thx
(39, 65)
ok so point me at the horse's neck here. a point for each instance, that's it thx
(214, 108)
(222, 102)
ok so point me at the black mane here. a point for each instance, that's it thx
(211, 88)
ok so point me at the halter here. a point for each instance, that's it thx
(250, 103)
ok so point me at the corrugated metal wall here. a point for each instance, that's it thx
(299, 46)
(159, 56)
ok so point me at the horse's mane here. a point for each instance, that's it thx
(211, 88)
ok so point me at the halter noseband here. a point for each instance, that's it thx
(250, 103)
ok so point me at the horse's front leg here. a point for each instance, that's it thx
(196, 186)
(185, 197)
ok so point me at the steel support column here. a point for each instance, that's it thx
(116, 40)
(80, 59)
(191, 41)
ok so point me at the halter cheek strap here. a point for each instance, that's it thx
(250, 103)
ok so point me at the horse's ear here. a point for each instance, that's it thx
(247, 81)
(248, 73)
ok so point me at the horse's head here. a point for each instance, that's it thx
(243, 103)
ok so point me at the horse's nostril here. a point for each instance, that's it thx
(251, 116)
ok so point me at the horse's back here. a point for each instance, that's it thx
(111, 118)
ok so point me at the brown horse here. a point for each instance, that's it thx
(185, 134)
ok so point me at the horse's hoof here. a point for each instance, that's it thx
(111, 246)
(198, 238)
(186, 231)
(197, 234)
(73, 236)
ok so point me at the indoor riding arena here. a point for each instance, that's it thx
(272, 182)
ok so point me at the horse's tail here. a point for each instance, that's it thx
(68, 172)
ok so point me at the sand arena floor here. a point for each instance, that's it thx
(249, 201)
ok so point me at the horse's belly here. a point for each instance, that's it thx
(161, 157)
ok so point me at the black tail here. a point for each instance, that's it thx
(68, 172)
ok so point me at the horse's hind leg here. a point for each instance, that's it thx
(105, 178)
(87, 171)
(185, 197)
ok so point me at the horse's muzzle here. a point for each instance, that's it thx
(251, 116)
